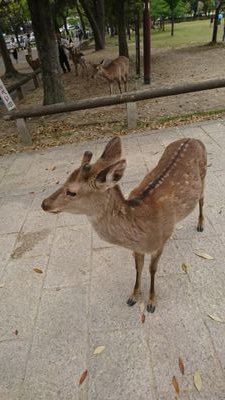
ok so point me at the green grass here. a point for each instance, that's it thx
(185, 34)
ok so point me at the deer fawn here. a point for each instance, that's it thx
(34, 64)
(116, 71)
(145, 221)
(78, 59)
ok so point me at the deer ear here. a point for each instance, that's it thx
(113, 150)
(109, 176)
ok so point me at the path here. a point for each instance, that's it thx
(51, 323)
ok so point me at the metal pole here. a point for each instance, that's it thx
(147, 42)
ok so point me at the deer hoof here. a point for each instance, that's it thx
(150, 308)
(200, 228)
(131, 302)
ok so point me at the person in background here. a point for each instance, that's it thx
(63, 60)
(27, 46)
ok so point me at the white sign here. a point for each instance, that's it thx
(6, 98)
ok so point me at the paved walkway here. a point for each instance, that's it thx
(51, 322)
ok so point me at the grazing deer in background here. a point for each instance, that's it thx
(145, 221)
(34, 64)
(78, 59)
(116, 71)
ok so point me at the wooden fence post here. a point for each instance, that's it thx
(23, 132)
(132, 115)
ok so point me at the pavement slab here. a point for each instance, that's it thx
(52, 322)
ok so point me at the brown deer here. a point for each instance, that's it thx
(116, 71)
(145, 221)
(77, 57)
(34, 64)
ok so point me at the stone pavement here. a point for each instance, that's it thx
(51, 323)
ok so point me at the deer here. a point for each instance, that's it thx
(77, 58)
(34, 64)
(145, 220)
(116, 71)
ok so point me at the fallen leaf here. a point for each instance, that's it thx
(99, 349)
(16, 332)
(38, 270)
(215, 318)
(175, 385)
(179, 227)
(184, 268)
(198, 381)
(142, 307)
(143, 318)
(204, 255)
(57, 183)
(209, 165)
(53, 168)
(181, 366)
(83, 377)
(2, 285)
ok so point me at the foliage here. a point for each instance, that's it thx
(13, 15)
(167, 8)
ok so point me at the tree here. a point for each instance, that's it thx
(176, 7)
(43, 27)
(219, 4)
(95, 13)
(10, 71)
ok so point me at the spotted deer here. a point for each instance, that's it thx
(77, 57)
(145, 220)
(116, 71)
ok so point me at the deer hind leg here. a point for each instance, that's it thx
(125, 83)
(139, 263)
(119, 84)
(200, 226)
(152, 269)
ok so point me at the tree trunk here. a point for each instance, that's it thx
(65, 26)
(10, 71)
(172, 25)
(99, 39)
(215, 25)
(83, 26)
(43, 27)
(123, 47)
(100, 17)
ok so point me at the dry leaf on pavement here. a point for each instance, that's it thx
(142, 318)
(215, 318)
(175, 385)
(142, 307)
(181, 366)
(198, 381)
(204, 255)
(184, 268)
(38, 270)
(99, 349)
(83, 377)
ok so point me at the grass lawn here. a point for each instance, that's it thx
(186, 33)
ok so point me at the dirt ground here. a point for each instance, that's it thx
(169, 67)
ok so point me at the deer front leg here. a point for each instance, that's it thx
(152, 269)
(139, 263)
(200, 226)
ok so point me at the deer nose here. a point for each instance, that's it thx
(44, 205)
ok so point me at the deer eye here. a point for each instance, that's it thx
(69, 193)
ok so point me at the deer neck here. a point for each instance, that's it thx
(111, 219)
(105, 73)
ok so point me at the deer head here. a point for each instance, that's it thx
(87, 185)
(96, 68)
